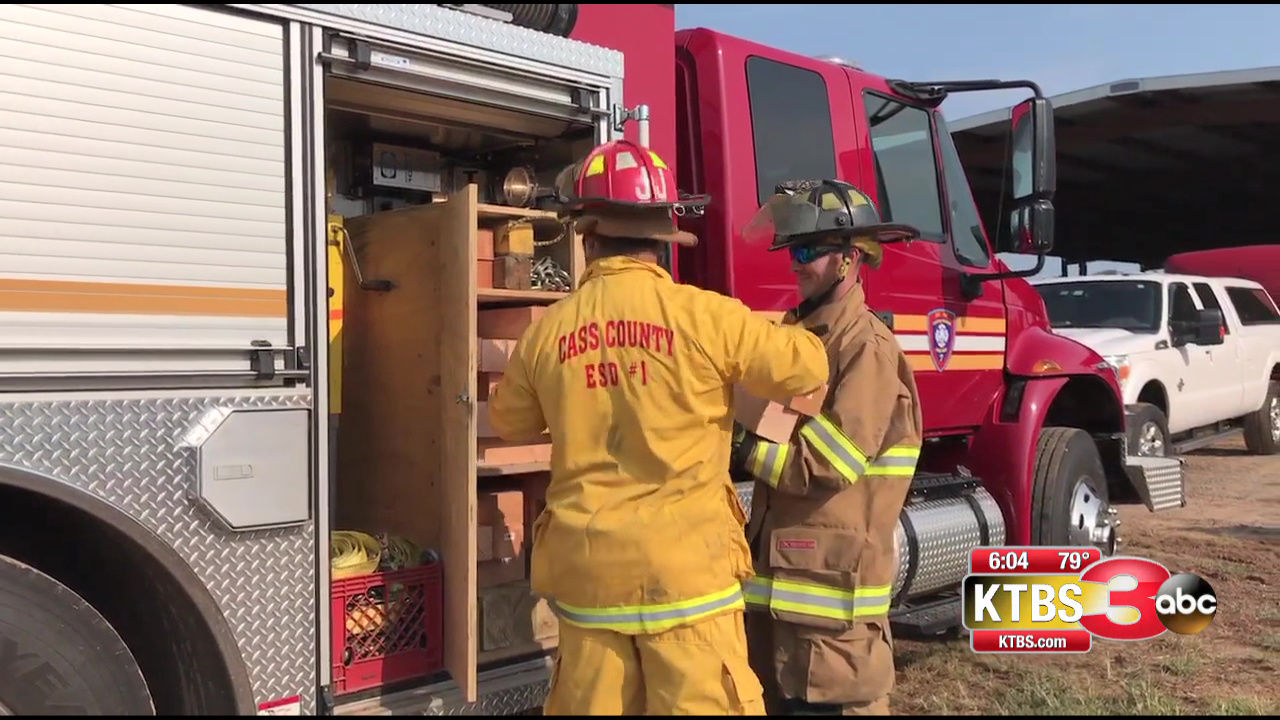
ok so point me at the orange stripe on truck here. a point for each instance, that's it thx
(922, 362)
(964, 324)
(65, 296)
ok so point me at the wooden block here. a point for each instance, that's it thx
(507, 323)
(483, 427)
(510, 615)
(514, 238)
(513, 272)
(535, 500)
(504, 512)
(484, 244)
(484, 543)
(498, 452)
(810, 404)
(772, 420)
(493, 354)
(500, 572)
(484, 273)
(485, 383)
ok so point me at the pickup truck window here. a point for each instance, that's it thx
(791, 122)
(966, 226)
(1182, 309)
(1128, 305)
(906, 168)
(1253, 306)
(1209, 301)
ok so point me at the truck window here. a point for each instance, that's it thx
(966, 226)
(906, 168)
(1132, 305)
(1253, 306)
(790, 122)
(1182, 309)
(1209, 300)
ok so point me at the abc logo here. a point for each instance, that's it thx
(1186, 604)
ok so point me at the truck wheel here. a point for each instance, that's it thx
(1149, 432)
(1262, 428)
(58, 656)
(1070, 504)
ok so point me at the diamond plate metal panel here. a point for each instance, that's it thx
(127, 452)
(482, 32)
(512, 701)
(946, 530)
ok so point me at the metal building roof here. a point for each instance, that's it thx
(1151, 166)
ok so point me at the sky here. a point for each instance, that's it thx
(1061, 47)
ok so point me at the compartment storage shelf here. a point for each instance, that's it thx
(408, 440)
(503, 296)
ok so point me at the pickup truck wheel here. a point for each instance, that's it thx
(1262, 428)
(1148, 431)
(58, 656)
(1070, 504)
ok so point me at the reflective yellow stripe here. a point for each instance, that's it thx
(596, 166)
(767, 462)
(651, 618)
(804, 598)
(898, 461)
(827, 440)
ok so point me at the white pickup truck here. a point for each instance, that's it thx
(1198, 357)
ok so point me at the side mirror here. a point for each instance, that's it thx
(1209, 327)
(1033, 155)
(1032, 227)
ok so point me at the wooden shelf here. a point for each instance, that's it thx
(494, 296)
(506, 212)
(519, 469)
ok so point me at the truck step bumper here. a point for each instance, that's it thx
(926, 619)
(514, 689)
(1160, 481)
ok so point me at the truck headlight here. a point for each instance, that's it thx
(1120, 364)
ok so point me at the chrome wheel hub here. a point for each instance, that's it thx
(1088, 518)
(1150, 440)
(1275, 419)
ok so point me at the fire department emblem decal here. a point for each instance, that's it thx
(942, 336)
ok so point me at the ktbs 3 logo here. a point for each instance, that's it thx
(1144, 599)
(1122, 598)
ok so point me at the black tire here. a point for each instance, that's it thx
(1069, 492)
(1262, 428)
(58, 656)
(1149, 432)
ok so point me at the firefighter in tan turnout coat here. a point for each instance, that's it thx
(826, 504)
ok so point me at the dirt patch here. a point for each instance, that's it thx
(1229, 534)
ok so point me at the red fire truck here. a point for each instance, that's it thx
(198, 200)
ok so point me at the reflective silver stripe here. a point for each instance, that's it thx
(650, 619)
(899, 460)
(816, 600)
(835, 447)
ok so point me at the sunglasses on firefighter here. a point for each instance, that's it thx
(805, 254)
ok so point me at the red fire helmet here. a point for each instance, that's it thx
(622, 173)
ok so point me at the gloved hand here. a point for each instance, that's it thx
(744, 441)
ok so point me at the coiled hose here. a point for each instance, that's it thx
(353, 553)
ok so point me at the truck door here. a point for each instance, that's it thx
(1198, 396)
(955, 344)
(1229, 357)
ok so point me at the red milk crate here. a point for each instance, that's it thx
(387, 627)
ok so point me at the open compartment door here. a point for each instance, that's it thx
(457, 277)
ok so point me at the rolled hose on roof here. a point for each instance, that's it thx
(554, 19)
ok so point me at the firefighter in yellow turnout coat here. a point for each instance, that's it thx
(641, 548)
(826, 505)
